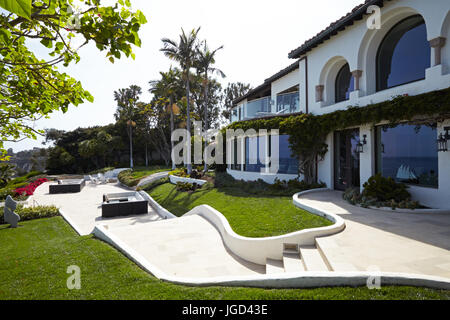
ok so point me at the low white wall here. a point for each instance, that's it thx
(175, 179)
(254, 176)
(258, 250)
(284, 280)
(164, 213)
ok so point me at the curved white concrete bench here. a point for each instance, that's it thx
(174, 179)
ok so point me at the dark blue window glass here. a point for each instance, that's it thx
(235, 165)
(288, 164)
(408, 153)
(345, 83)
(404, 54)
(254, 153)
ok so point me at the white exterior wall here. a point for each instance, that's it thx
(282, 84)
(357, 46)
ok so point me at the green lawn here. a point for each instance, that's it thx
(248, 214)
(34, 259)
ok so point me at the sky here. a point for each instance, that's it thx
(257, 36)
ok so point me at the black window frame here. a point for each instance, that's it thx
(377, 58)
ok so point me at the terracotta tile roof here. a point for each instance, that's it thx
(349, 19)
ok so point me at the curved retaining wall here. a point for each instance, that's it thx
(257, 250)
(175, 179)
(163, 212)
(284, 280)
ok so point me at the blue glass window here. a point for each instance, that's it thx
(288, 102)
(345, 83)
(254, 153)
(408, 153)
(404, 54)
(288, 164)
(235, 165)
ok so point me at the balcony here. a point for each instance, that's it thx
(258, 108)
(288, 103)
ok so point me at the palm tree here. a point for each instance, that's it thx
(167, 86)
(185, 53)
(205, 60)
(127, 100)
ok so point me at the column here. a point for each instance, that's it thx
(437, 44)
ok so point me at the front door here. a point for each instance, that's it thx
(346, 159)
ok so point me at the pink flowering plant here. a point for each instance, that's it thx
(29, 189)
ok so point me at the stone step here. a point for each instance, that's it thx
(274, 266)
(312, 259)
(292, 262)
(334, 258)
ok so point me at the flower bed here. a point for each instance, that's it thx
(29, 189)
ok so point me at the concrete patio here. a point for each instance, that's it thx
(192, 247)
(387, 241)
(188, 246)
(84, 209)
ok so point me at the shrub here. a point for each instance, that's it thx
(381, 192)
(260, 187)
(126, 177)
(385, 189)
(31, 213)
(154, 184)
(179, 172)
(29, 189)
(5, 192)
(185, 186)
(196, 173)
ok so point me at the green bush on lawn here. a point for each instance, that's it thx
(31, 213)
(126, 177)
(260, 187)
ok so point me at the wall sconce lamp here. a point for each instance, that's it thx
(361, 144)
(443, 140)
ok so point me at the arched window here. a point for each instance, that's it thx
(345, 83)
(404, 54)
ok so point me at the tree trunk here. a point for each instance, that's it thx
(171, 131)
(131, 146)
(188, 123)
(206, 120)
(146, 154)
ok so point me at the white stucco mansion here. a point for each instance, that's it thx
(348, 64)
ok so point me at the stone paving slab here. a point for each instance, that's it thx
(185, 247)
(84, 208)
(188, 246)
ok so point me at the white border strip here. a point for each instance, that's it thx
(175, 179)
(71, 223)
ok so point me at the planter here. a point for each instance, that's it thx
(67, 186)
(123, 204)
